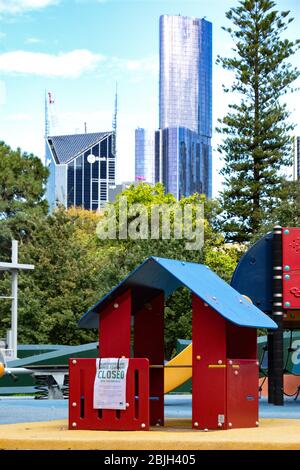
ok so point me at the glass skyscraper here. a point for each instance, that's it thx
(82, 168)
(185, 106)
(144, 155)
(182, 162)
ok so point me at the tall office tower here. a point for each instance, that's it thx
(185, 104)
(296, 165)
(144, 155)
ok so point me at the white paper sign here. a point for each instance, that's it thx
(110, 384)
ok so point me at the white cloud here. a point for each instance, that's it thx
(19, 6)
(73, 64)
(2, 92)
(19, 117)
(33, 40)
(148, 64)
(70, 64)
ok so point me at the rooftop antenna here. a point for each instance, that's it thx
(51, 122)
(85, 128)
(114, 124)
(47, 120)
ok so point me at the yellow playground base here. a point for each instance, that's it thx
(276, 434)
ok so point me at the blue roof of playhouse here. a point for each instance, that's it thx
(168, 275)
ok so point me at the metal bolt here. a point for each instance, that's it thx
(236, 372)
(183, 263)
(74, 404)
(116, 305)
(143, 425)
(205, 430)
(241, 301)
(205, 305)
(127, 405)
(74, 362)
(158, 424)
(287, 277)
(220, 362)
(230, 425)
(257, 363)
(257, 423)
(230, 362)
(196, 424)
(286, 232)
(219, 425)
(287, 268)
(198, 358)
(214, 298)
(74, 425)
(287, 304)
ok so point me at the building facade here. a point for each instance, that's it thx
(182, 162)
(185, 106)
(144, 155)
(82, 167)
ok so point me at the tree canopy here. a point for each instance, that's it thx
(257, 143)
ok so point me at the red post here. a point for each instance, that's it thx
(149, 342)
(114, 327)
(209, 367)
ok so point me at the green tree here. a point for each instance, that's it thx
(22, 186)
(64, 283)
(74, 269)
(287, 211)
(258, 143)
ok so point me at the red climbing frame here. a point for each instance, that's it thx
(82, 415)
(291, 268)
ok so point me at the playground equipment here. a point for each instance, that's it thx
(47, 370)
(224, 353)
(273, 266)
(178, 370)
(14, 267)
(291, 360)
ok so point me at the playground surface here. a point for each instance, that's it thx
(273, 434)
(42, 424)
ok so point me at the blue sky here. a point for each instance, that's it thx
(79, 49)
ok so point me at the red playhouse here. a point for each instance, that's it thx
(131, 324)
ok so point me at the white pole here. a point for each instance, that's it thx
(14, 303)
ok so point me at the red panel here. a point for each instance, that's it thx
(149, 342)
(291, 267)
(114, 327)
(242, 393)
(81, 412)
(209, 372)
(241, 341)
